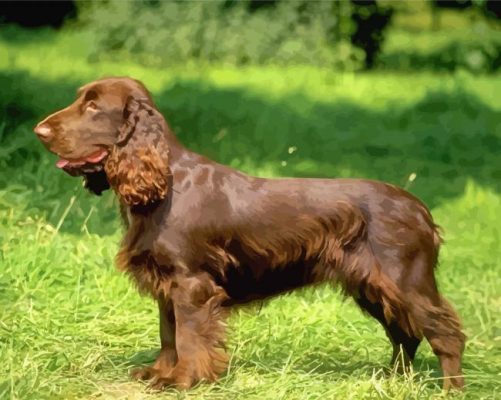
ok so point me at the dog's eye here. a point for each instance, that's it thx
(91, 106)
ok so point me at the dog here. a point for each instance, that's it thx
(202, 237)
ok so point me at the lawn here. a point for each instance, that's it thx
(71, 326)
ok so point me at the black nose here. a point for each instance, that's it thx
(44, 132)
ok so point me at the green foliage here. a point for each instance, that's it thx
(444, 40)
(169, 33)
(480, 54)
(176, 33)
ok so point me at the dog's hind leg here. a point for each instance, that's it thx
(362, 278)
(442, 328)
(414, 301)
(404, 344)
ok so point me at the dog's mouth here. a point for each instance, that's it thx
(88, 164)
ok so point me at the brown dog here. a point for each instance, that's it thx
(202, 237)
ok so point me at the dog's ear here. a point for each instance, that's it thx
(138, 165)
(131, 118)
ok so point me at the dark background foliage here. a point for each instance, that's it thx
(347, 35)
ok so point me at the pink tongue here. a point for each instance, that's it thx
(97, 156)
(61, 163)
(93, 158)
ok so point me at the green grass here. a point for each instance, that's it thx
(71, 326)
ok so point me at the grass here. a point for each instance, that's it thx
(71, 326)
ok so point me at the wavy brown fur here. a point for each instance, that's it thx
(202, 237)
(138, 165)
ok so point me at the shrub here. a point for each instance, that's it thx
(168, 33)
(475, 56)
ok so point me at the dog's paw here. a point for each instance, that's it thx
(170, 381)
(144, 374)
(161, 383)
(159, 379)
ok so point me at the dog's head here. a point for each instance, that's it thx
(113, 136)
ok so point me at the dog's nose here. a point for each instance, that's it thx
(44, 132)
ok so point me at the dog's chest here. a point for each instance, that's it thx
(140, 256)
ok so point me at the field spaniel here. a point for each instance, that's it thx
(202, 237)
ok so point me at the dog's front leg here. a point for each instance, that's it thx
(199, 332)
(167, 358)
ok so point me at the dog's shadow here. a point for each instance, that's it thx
(315, 365)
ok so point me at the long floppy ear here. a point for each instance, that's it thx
(138, 165)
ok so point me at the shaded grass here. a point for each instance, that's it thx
(71, 326)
